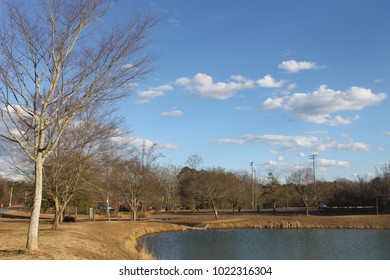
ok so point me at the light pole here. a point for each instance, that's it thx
(10, 196)
(253, 188)
(108, 208)
(313, 157)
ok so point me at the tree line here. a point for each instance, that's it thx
(127, 178)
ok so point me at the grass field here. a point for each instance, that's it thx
(117, 239)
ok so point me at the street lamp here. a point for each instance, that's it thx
(253, 188)
(10, 196)
(313, 157)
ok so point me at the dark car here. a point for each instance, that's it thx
(322, 205)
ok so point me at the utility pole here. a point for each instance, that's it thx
(253, 188)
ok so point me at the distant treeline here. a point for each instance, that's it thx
(136, 183)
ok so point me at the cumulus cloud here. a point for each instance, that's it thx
(292, 66)
(321, 105)
(147, 95)
(174, 113)
(296, 143)
(202, 85)
(269, 82)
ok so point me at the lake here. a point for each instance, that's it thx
(269, 244)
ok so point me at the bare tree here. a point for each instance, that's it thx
(72, 166)
(194, 161)
(211, 185)
(169, 186)
(303, 179)
(136, 175)
(240, 191)
(54, 64)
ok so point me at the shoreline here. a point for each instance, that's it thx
(119, 240)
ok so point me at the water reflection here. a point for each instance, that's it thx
(278, 244)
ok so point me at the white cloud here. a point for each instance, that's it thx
(273, 103)
(354, 146)
(174, 113)
(203, 85)
(292, 66)
(168, 146)
(274, 163)
(317, 132)
(140, 142)
(244, 108)
(387, 133)
(295, 143)
(301, 154)
(321, 105)
(269, 82)
(127, 66)
(147, 95)
(331, 163)
(174, 22)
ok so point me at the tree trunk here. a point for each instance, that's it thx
(134, 214)
(32, 237)
(57, 214)
(215, 210)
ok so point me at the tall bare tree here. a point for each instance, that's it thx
(137, 175)
(169, 187)
(56, 62)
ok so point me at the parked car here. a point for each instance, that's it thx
(322, 205)
(103, 208)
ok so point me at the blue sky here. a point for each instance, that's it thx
(266, 81)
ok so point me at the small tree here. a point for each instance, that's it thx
(54, 64)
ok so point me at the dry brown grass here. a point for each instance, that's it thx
(103, 240)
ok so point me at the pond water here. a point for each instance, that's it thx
(270, 244)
